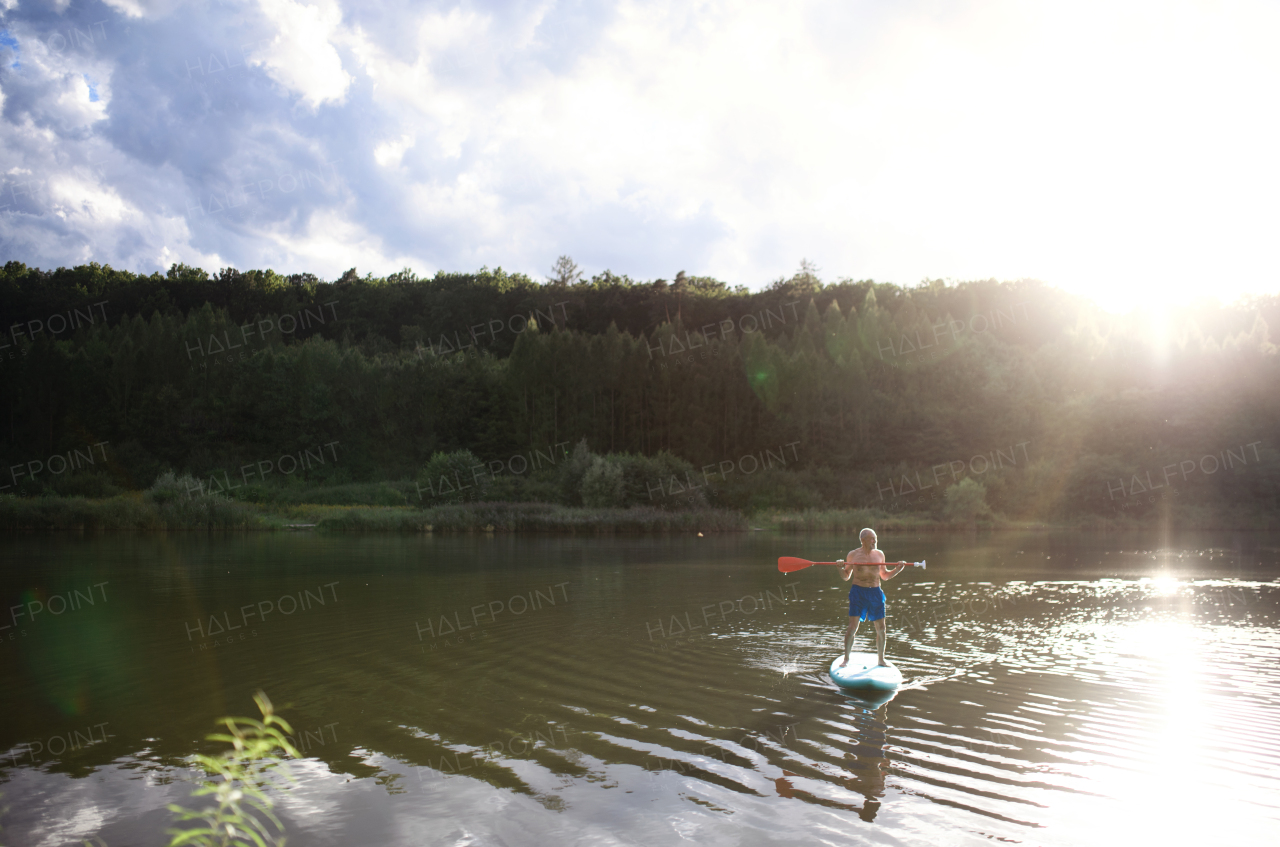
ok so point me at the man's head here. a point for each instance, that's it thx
(868, 538)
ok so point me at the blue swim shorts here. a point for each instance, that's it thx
(866, 603)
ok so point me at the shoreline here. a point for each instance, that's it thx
(133, 512)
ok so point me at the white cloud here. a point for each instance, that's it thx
(1113, 149)
(74, 197)
(145, 8)
(389, 153)
(302, 56)
(331, 240)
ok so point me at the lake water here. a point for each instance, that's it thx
(498, 690)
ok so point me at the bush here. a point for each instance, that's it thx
(207, 511)
(966, 501)
(512, 488)
(168, 487)
(852, 521)
(572, 473)
(664, 480)
(544, 517)
(76, 513)
(602, 486)
(354, 494)
(1090, 488)
(351, 494)
(771, 489)
(163, 507)
(181, 503)
(95, 485)
(452, 478)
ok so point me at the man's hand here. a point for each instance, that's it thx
(890, 573)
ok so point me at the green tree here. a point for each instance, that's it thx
(602, 485)
(565, 272)
(572, 473)
(454, 477)
(966, 501)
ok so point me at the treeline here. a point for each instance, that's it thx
(886, 396)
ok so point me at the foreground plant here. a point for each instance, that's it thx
(239, 781)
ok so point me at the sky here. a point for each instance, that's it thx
(1123, 150)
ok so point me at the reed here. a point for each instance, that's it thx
(349, 494)
(239, 780)
(544, 517)
(363, 518)
(849, 520)
(214, 512)
(132, 511)
(169, 506)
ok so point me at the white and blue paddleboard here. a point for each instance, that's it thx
(864, 671)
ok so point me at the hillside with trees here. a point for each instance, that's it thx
(805, 395)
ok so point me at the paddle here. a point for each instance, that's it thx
(788, 564)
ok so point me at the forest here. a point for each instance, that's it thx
(1013, 400)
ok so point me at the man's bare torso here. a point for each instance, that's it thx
(866, 567)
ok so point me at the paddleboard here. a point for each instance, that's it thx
(863, 671)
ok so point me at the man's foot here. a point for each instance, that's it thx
(884, 664)
(843, 662)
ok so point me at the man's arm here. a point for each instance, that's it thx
(890, 573)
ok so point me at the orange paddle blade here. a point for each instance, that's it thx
(788, 564)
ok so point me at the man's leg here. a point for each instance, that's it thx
(849, 632)
(880, 639)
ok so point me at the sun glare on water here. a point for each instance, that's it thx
(1176, 763)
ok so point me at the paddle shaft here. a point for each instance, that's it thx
(789, 564)
(886, 564)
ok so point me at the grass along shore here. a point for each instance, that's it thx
(852, 520)
(136, 511)
(162, 510)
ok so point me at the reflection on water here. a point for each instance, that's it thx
(646, 691)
